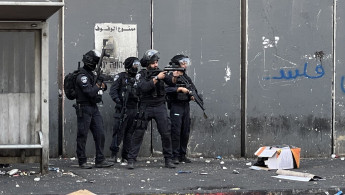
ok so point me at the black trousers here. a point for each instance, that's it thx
(123, 133)
(90, 118)
(180, 127)
(160, 115)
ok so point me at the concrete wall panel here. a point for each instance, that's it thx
(208, 31)
(53, 85)
(80, 19)
(289, 75)
(339, 84)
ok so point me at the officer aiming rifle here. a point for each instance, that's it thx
(170, 68)
(185, 83)
(178, 98)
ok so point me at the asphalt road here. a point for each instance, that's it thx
(202, 176)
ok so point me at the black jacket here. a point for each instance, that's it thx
(86, 88)
(152, 94)
(175, 96)
(123, 82)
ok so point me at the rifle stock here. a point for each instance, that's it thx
(153, 73)
(99, 64)
(194, 93)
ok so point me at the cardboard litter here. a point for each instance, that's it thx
(280, 157)
(297, 176)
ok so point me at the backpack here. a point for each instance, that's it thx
(69, 83)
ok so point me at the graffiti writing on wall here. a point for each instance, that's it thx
(342, 84)
(114, 28)
(294, 74)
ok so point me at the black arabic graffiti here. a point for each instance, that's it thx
(114, 29)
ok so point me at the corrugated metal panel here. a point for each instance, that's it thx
(18, 87)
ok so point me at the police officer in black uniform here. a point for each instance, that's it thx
(123, 93)
(88, 90)
(178, 103)
(150, 85)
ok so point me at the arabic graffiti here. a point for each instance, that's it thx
(293, 74)
(114, 29)
(290, 74)
(342, 84)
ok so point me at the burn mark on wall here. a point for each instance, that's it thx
(310, 133)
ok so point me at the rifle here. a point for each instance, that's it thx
(173, 68)
(155, 72)
(98, 71)
(193, 92)
(123, 114)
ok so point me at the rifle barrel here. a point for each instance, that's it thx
(168, 68)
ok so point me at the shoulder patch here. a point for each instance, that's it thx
(116, 77)
(83, 79)
(137, 77)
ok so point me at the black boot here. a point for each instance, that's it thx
(176, 161)
(114, 157)
(104, 164)
(169, 164)
(130, 164)
(85, 166)
(184, 159)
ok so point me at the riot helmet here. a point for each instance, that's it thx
(91, 58)
(131, 65)
(149, 57)
(180, 59)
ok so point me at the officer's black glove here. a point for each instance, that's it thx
(117, 101)
(100, 79)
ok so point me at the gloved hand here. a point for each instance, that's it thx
(100, 79)
(117, 101)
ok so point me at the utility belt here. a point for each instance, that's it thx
(180, 102)
(78, 109)
(158, 93)
(182, 97)
(84, 104)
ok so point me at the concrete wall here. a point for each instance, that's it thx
(80, 19)
(54, 97)
(209, 33)
(287, 91)
(339, 82)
